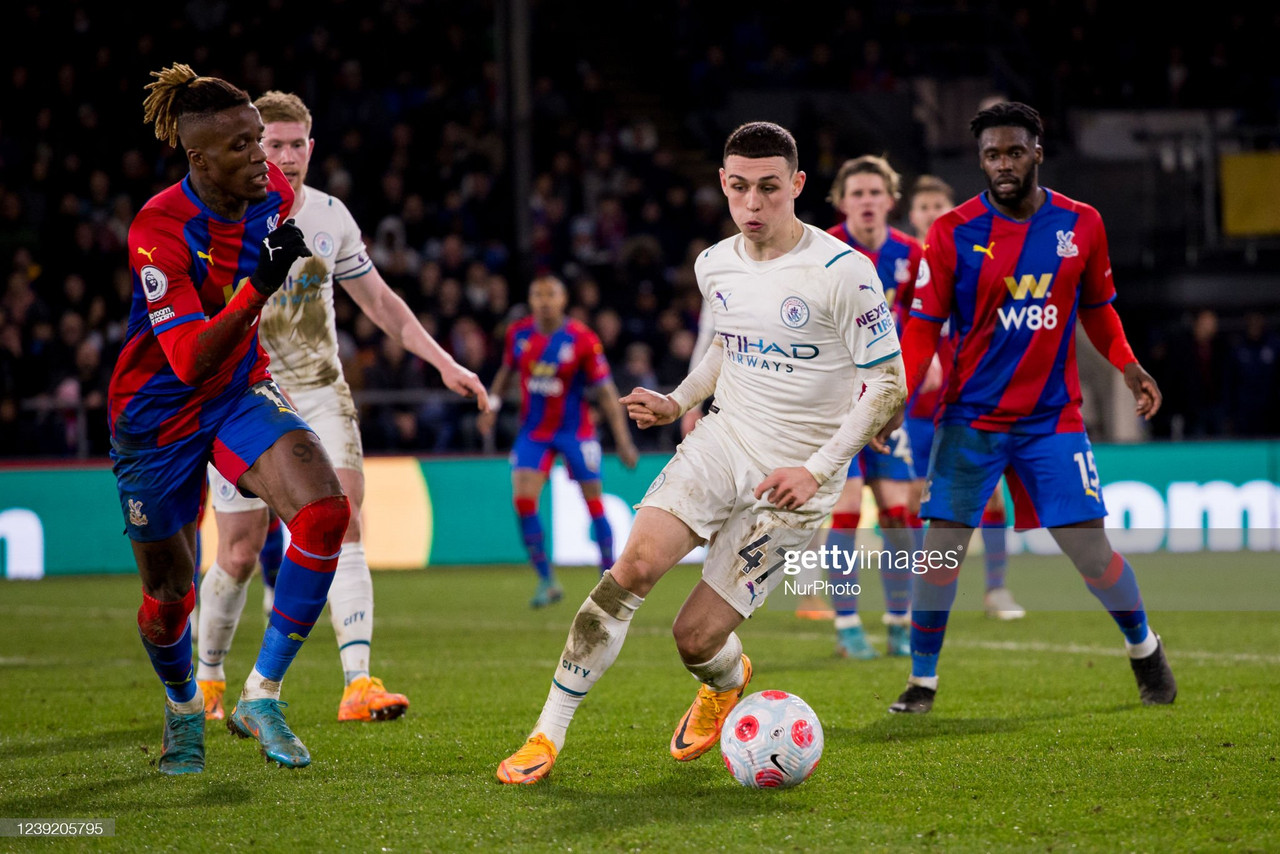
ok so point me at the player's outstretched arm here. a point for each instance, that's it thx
(385, 308)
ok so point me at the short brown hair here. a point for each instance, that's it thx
(933, 184)
(277, 106)
(758, 140)
(869, 164)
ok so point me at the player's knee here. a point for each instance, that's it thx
(239, 559)
(320, 526)
(694, 640)
(1091, 559)
(637, 572)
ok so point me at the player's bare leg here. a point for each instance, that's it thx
(364, 697)
(526, 487)
(712, 651)
(657, 541)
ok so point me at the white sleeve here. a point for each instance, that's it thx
(706, 331)
(351, 258)
(859, 309)
(701, 382)
(886, 392)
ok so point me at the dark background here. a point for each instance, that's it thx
(470, 168)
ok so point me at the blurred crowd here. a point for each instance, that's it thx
(409, 100)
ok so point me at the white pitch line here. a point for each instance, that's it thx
(1117, 651)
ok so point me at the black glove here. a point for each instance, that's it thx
(279, 250)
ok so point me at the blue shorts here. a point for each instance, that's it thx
(581, 456)
(161, 488)
(870, 464)
(920, 433)
(1052, 477)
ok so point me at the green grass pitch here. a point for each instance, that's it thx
(1037, 741)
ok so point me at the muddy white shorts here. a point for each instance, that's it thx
(710, 485)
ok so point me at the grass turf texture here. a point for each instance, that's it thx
(1037, 740)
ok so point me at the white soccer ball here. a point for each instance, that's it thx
(771, 740)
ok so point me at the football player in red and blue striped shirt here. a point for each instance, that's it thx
(558, 360)
(191, 385)
(931, 197)
(1012, 269)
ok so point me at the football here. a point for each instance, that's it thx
(771, 740)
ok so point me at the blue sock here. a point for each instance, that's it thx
(277, 653)
(173, 665)
(995, 544)
(931, 608)
(602, 532)
(531, 532)
(1118, 592)
(272, 552)
(300, 596)
(895, 573)
(843, 601)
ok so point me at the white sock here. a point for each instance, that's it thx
(896, 619)
(595, 639)
(724, 671)
(351, 610)
(1145, 648)
(222, 598)
(930, 682)
(259, 687)
(190, 707)
(847, 621)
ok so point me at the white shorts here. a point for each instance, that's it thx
(331, 413)
(710, 486)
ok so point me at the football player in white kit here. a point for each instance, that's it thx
(801, 327)
(298, 331)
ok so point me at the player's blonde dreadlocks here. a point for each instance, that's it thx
(178, 92)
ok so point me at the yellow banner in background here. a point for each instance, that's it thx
(396, 521)
(1250, 187)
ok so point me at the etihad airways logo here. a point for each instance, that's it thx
(755, 352)
(759, 346)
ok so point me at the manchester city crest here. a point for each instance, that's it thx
(795, 313)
